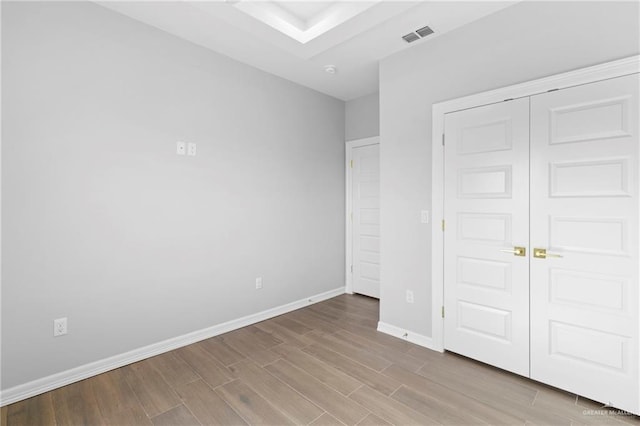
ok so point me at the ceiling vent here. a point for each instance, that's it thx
(424, 31)
(418, 34)
(411, 37)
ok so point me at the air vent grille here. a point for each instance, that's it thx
(417, 34)
(424, 31)
(411, 37)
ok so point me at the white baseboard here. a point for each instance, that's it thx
(45, 384)
(407, 335)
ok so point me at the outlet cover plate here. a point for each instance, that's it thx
(59, 327)
(409, 296)
(424, 216)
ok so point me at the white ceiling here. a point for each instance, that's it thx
(296, 39)
(305, 9)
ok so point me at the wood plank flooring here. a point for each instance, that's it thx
(321, 365)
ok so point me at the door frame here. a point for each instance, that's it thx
(613, 69)
(349, 146)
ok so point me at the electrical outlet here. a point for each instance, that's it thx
(258, 283)
(180, 148)
(424, 216)
(191, 149)
(409, 296)
(59, 327)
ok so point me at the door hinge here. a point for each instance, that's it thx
(352, 269)
(351, 164)
(442, 311)
(443, 139)
(442, 225)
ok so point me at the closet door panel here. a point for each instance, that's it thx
(487, 216)
(584, 213)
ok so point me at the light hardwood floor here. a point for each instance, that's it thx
(322, 365)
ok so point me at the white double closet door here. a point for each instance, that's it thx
(541, 240)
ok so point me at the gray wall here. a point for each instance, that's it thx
(362, 117)
(520, 43)
(103, 223)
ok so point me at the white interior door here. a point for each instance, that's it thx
(365, 193)
(584, 212)
(486, 284)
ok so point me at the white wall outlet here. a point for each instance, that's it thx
(409, 296)
(59, 327)
(191, 149)
(424, 216)
(180, 148)
(258, 283)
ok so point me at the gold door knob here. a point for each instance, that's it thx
(541, 253)
(517, 251)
